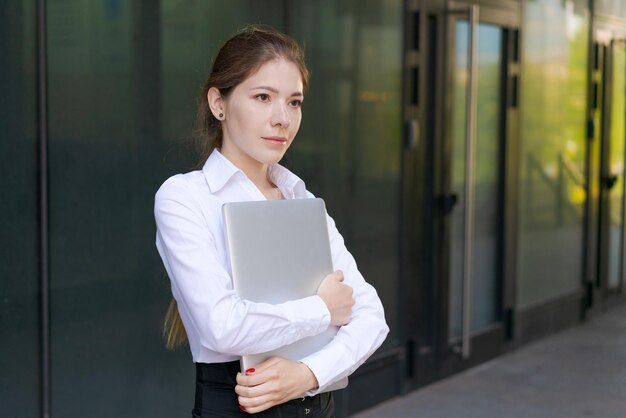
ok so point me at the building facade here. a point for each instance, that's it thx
(471, 153)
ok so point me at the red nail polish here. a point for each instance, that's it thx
(250, 371)
(243, 408)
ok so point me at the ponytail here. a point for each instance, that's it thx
(173, 330)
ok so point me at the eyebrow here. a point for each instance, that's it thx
(273, 90)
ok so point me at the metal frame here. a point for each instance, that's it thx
(603, 31)
(595, 97)
(465, 343)
(464, 349)
(607, 46)
(430, 356)
(470, 163)
(44, 255)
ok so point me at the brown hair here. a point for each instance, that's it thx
(239, 58)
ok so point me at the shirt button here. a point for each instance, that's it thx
(306, 411)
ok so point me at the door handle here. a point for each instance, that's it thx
(447, 202)
(412, 138)
(609, 181)
(470, 156)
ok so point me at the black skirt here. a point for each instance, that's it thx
(216, 397)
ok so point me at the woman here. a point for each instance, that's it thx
(249, 113)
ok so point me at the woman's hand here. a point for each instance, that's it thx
(272, 382)
(338, 298)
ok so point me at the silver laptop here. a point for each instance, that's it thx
(279, 250)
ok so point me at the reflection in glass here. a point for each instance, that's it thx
(123, 83)
(348, 147)
(552, 189)
(484, 265)
(616, 147)
(616, 8)
(19, 239)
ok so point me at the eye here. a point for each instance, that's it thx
(263, 97)
(296, 103)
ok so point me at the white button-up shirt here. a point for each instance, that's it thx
(220, 325)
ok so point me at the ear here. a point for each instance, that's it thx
(216, 102)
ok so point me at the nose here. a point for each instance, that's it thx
(280, 116)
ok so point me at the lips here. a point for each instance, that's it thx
(276, 140)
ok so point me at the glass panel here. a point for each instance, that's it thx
(553, 150)
(457, 217)
(484, 270)
(616, 204)
(616, 8)
(19, 239)
(349, 145)
(485, 277)
(123, 83)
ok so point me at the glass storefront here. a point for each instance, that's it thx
(552, 189)
(123, 79)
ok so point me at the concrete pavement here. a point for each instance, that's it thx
(580, 372)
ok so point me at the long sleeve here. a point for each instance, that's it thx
(365, 332)
(214, 316)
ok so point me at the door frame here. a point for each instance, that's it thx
(426, 153)
(605, 31)
(491, 341)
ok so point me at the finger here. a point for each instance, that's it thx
(244, 389)
(260, 399)
(257, 409)
(244, 379)
(339, 275)
(249, 392)
(251, 381)
(263, 372)
(265, 365)
(265, 387)
(260, 408)
(256, 370)
(258, 404)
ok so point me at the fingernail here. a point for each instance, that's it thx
(250, 371)
(243, 408)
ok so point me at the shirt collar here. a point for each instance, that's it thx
(219, 170)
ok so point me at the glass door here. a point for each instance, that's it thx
(479, 92)
(615, 167)
(474, 222)
(612, 225)
(461, 107)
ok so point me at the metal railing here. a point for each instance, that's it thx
(539, 213)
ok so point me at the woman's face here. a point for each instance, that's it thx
(262, 115)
